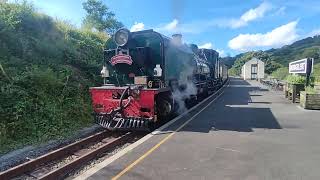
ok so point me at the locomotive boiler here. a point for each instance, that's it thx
(149, 77)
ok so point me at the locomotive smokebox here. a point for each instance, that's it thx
(177, 39)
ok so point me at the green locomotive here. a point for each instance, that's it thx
(149, 77)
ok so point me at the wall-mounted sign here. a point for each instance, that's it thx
(303, 66)
(121, 58)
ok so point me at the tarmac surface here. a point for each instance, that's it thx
(249, 132)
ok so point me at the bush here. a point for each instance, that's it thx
(46, 69)
(295, 79)
(316, 73)
(281, 73)
(233, 72)
(310, 90)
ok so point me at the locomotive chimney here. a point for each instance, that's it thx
(177, 39)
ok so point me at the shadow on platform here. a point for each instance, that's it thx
(236, 82)
(236, 111)
(245, 119)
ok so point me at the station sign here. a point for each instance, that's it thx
(303, 66)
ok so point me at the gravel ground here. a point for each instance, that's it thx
(100, 159)
(30, 152)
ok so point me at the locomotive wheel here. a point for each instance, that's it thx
(164, 105)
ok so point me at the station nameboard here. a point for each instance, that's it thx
(302, 66)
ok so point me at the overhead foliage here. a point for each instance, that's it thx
(46, 68)
(100, 17)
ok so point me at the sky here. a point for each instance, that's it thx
(228, 26)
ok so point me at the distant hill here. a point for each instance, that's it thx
(308, 47)
(280, 57)
(229, 61)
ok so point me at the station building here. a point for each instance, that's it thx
(253, 69)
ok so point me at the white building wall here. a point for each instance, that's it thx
(261, 70)
(242, 71)
(246, 69)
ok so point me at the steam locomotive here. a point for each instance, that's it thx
(149, 77)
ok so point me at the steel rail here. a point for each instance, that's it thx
(65, 151)
(62, 171)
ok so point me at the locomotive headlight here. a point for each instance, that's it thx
(121, 37)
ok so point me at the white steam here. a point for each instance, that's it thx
(181, 95)
(187, 87)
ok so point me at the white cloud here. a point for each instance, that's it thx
(176, 27)
(250, 15)
(172, 26)
(210, 46)
(279, 36)
(206, 46)
(221, 53)
(137, 27)
(258, 12)
(280, 11)
(314, 33)
(199, 26)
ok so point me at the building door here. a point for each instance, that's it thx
(254, 71)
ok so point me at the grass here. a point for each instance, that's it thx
(46, 69)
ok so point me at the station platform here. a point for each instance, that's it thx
(244, 132)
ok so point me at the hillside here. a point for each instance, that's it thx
(229, 61)
(280, 57)
(46, 68)
(308, 47)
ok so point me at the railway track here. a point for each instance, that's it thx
(59, 163)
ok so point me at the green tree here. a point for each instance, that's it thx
(316, 72)
(271, 66)
(233, 72)
(99, 17)
(281, 73)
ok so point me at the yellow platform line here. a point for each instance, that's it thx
(128, 168)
